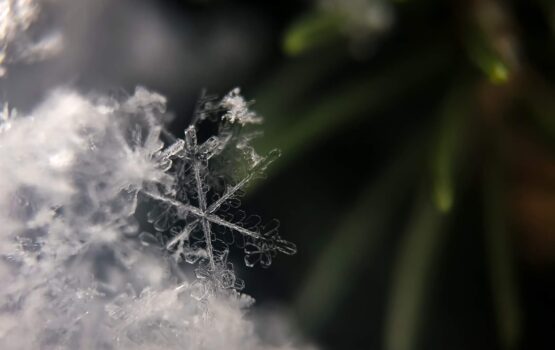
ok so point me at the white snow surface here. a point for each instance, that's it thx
(74, 275)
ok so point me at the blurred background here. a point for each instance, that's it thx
(418, 141)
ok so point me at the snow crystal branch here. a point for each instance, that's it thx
(192, 211)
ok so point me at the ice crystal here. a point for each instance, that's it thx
(80, 268)
(76, 271)
(237, 109)
(16, 43)
(195, 220)
(70, 175)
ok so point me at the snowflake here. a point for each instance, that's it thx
(193, 219)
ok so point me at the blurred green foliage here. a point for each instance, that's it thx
(499, 94)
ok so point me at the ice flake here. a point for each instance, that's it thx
(238, 109)
(195, 219)
(16, 44)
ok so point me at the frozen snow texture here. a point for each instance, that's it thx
(76, 273)
(16, 43)
(237, 109)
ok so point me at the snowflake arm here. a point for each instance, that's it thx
(197, 200)
(233, 190)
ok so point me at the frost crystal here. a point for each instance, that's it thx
(237, 109)
(76, 271)
(195, 221)
(16, 43)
